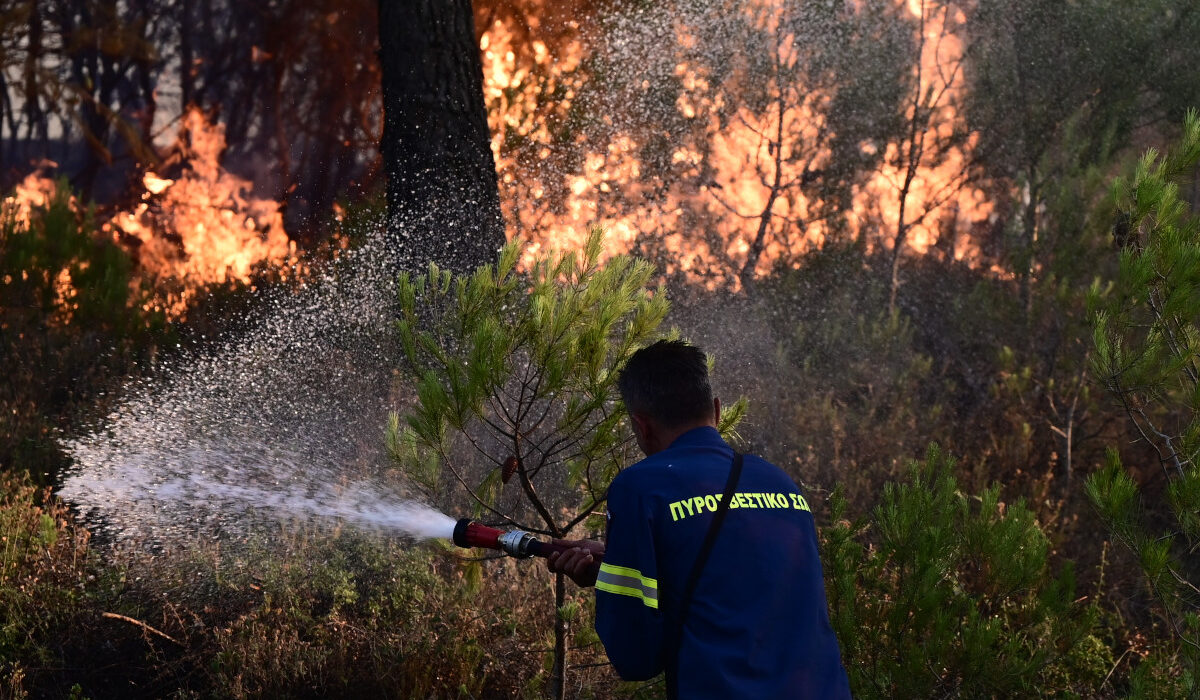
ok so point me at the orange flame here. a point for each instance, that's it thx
(204, 226)
(36, 190)
(939, 203)
(528, 90)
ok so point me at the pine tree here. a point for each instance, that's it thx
(1147, 337)
(516, 380)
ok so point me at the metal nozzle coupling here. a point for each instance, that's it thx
(515, 543)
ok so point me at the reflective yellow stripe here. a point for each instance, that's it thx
(622, 580)
(631, 592)
(626, 571)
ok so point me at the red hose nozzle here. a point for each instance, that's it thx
(515, 543)
(468, 533)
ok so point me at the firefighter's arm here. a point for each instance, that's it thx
(627, 614)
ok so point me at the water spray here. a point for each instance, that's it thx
(514, 543)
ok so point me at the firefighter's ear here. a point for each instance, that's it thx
(716, 412)
(640, 425)
(643, 430)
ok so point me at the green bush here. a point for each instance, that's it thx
(347, 615)
(44, 570)
(941, 594)
(857, 391)
(335, 616)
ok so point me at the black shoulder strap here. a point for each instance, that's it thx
(676, 633)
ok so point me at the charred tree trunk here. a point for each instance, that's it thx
(764, 219)
(443, 201)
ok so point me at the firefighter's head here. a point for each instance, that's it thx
(666, 391)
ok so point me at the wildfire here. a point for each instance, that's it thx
(716, 206)
(36, 190)
(203, 226)
(938, 202)
(723, 213)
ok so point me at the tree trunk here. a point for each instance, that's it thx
(764, 219)
(558, 674)
(918, 125)
(187, 76)
(36, 126)
(443, 201)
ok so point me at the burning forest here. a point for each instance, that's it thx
(288, 289)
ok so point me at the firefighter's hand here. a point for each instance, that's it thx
(581, 562)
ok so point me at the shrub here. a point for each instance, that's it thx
(942, 594)
(348, 615)
(44, 569)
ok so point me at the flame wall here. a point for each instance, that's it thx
(737, 172)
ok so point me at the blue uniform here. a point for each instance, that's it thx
(758, 624)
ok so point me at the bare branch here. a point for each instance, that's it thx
(143, 625)
(471, 492)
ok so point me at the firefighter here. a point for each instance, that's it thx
(709, 571)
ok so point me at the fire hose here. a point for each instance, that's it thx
(514, 543)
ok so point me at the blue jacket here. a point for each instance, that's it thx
(758, 625)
